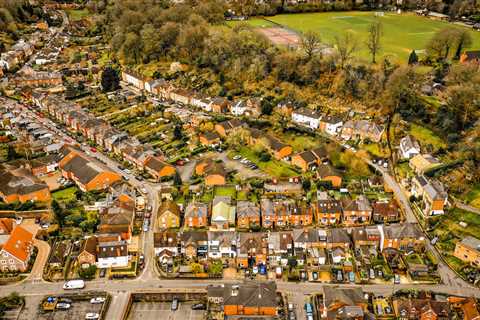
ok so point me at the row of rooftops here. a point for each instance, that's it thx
(284, 240)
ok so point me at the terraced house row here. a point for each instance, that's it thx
(261, 247)
(223, 213)
(104, 135)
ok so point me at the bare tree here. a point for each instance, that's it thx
(310, 42)
(346, 45)
(373, 40)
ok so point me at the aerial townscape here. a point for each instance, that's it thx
(240, 159)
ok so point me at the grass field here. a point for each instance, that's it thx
(65, 195)
(77, 14)
(401, 33)
(473, 197)
(426, 136)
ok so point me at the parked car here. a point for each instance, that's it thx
(97, 300)
(63, 306)
(92, 316)
(103, 271)
(396, 279)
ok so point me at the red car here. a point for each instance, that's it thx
(93, 149)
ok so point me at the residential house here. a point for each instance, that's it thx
(209, 138)
(304, 239)
(343, 303)
(356, 211)
(468, 250)
(213, 171)
(247, 299)
(118, 218)
(367, 236)
(331, 124)
(196, 215)
(166, 244)
(194, 244)
(112, 254)
(424, 308)
(423, 162)
(134, 78)
(404, 237)
(158, 168)
(239, 108)
(280, 245)
(60, 251)
(310, 160)
(307, 117)
(38, 79)
(467, 306)
(300, 214)
(6, 226)
(223, 212)
(252, 249)
(15, 253)
(88, 252)
(248, 215)
(181, 96)
(470, 56)
(278, 149)
(362, 129)
(409, 147)
(433, 194)
(168, 215)
(326, 172)
(329, 211)
(335, 238)
(87, 173)
(18, 184)
(222, 244)
(386, 212)
(201, 101)
(220, 105)
(228, 127)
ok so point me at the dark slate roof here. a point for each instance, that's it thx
(248, 294)
(19, 181)
(112, 249)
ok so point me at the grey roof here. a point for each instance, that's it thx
(471, 242)
(19, 181)
(247, 209)
(248, 294)
(308, 113)
(346, 296)
(402, 230)
(196, 209)
(408, 142)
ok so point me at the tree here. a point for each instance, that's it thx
(110, 80)
(373, 40)
(58, 212)
(346, 45)
(310, 42)
(413, 58)
(464, 39)
(267, 107)
(177, 132)
(196, 267)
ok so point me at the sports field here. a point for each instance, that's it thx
(401, 32)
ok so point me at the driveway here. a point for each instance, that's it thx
(43, 250)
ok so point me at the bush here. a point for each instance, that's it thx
(88, 273)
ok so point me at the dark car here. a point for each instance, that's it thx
(199, 306)
(102, 272)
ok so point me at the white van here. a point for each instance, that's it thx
(74, 284)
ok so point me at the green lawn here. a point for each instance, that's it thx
(426, 136)
(473, 197)
(401, 33)
(77, 14)
(449, 226)
(65, 195)
(273, 167)
(225, 191)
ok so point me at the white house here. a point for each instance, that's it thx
(307, 117)
(201, 102)
(331, 124)
(239, 108)
(134, 79)
(112, 254)
(222, 244)
(409, 147)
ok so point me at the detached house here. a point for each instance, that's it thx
(88, 252)
(209, 138)
(331, 124)
(409, 147)
(220, 105)
(307, 117)
(410, 309)
(386, 212)
(118, 219)
(326, 172)
(277, 148)
(423, 162)
(343, 303)
(87, 173)
(158, 168)
(194, 244)
(20, 185)
(228, 127)
(468, 250)
(356, 211)
(213, 171)
(434, 196)
(309, 160)
(247, 299)
(223, 212)
(112, 254)
(196, 215)
(134, 78)
(16, 252)
(166, 244)
(168, 215)
(362, 129)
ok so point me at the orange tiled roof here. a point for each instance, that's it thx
(6, 225)
(19, 243)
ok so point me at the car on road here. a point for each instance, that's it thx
(97, 300)
(396, 279)
(92, 316)
(93, 149)
(199, 306)
(174, 306)
(74, 284)
(237, 157)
